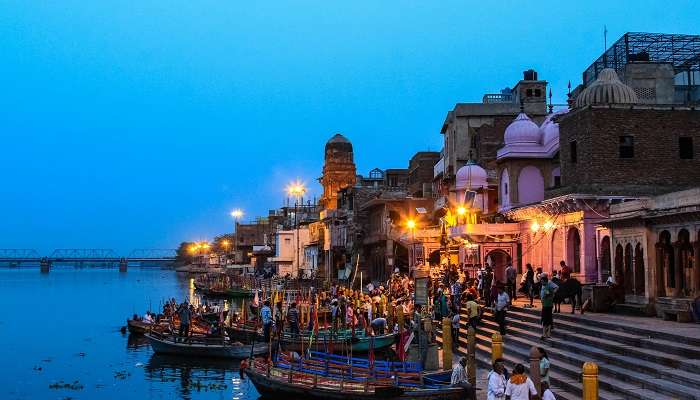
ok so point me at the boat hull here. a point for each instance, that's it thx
(168, 346)
(275, 388)
(137, 327)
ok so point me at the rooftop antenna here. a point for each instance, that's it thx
(551, 106)
(569, 87)
(605, 47)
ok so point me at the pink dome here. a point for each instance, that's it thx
(523, 131)
(471, 176)
(550, 131)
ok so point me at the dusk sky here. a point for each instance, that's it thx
(141, 124)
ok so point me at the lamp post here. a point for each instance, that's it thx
(411, 225)
(297, 190)
(225, 243)
(237, 214)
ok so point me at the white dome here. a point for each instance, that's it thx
(550, 129)
(471, 176)
(522, 131)
(607, 89)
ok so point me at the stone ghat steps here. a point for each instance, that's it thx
(673, 367)
(628, 328)
(645, 340)
(611, 377)
(628, 368)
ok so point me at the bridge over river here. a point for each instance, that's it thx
(87, 258)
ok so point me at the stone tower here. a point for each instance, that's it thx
(338, 170)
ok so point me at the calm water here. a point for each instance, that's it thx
(63, 329)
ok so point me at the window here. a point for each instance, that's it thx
(626, 146)
(538, 93)
(572, 151)
(685, 147)
(557, 181)
(528, 92)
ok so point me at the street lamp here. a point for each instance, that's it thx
(297, 190)
(237, 214)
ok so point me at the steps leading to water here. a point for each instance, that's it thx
(634, 362)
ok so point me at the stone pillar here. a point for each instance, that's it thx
(677, 269)
(446, 344)
(696, 268)
(44, 266)
(589, 267)
(471, 364)
(659, 279)
(535, 370)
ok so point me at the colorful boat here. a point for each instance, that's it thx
(335, 342)
(201, 346)
(277, 383)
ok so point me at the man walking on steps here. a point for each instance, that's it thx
(547, 292)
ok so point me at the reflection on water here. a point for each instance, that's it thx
(64, 327)
(193, 375)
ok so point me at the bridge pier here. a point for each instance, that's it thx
(123, 265)
(44, 265)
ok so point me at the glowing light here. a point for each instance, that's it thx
(461, 210)
(411, 224)
(237, 213)
(296, 189)
(225, 243)
(535, 226)
(547, 225)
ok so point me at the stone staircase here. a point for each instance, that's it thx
(634, 363)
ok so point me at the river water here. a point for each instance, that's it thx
(61, 339)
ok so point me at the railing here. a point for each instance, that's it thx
(498, 98)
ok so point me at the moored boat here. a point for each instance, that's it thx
(196, 346)
(339, 342)
(138, 327)
(274, 382)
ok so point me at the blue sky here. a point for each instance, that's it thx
(140, 124)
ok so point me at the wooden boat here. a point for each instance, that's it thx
(202, 346)
(239, 292)
(246, 333)
(339, 342)
(277, 383)
(138, 327)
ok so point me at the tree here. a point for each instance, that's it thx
(183, 254)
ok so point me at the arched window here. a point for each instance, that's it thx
(666, 269)
(530, 185)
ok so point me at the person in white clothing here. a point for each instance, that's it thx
(496, 382)
(459, 375)
(520, 386)
(547, 393)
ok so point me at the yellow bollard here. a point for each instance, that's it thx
(471, 364)
(446, 344)
(496, 347)
(590, 381)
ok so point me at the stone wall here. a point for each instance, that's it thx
(656, 166)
